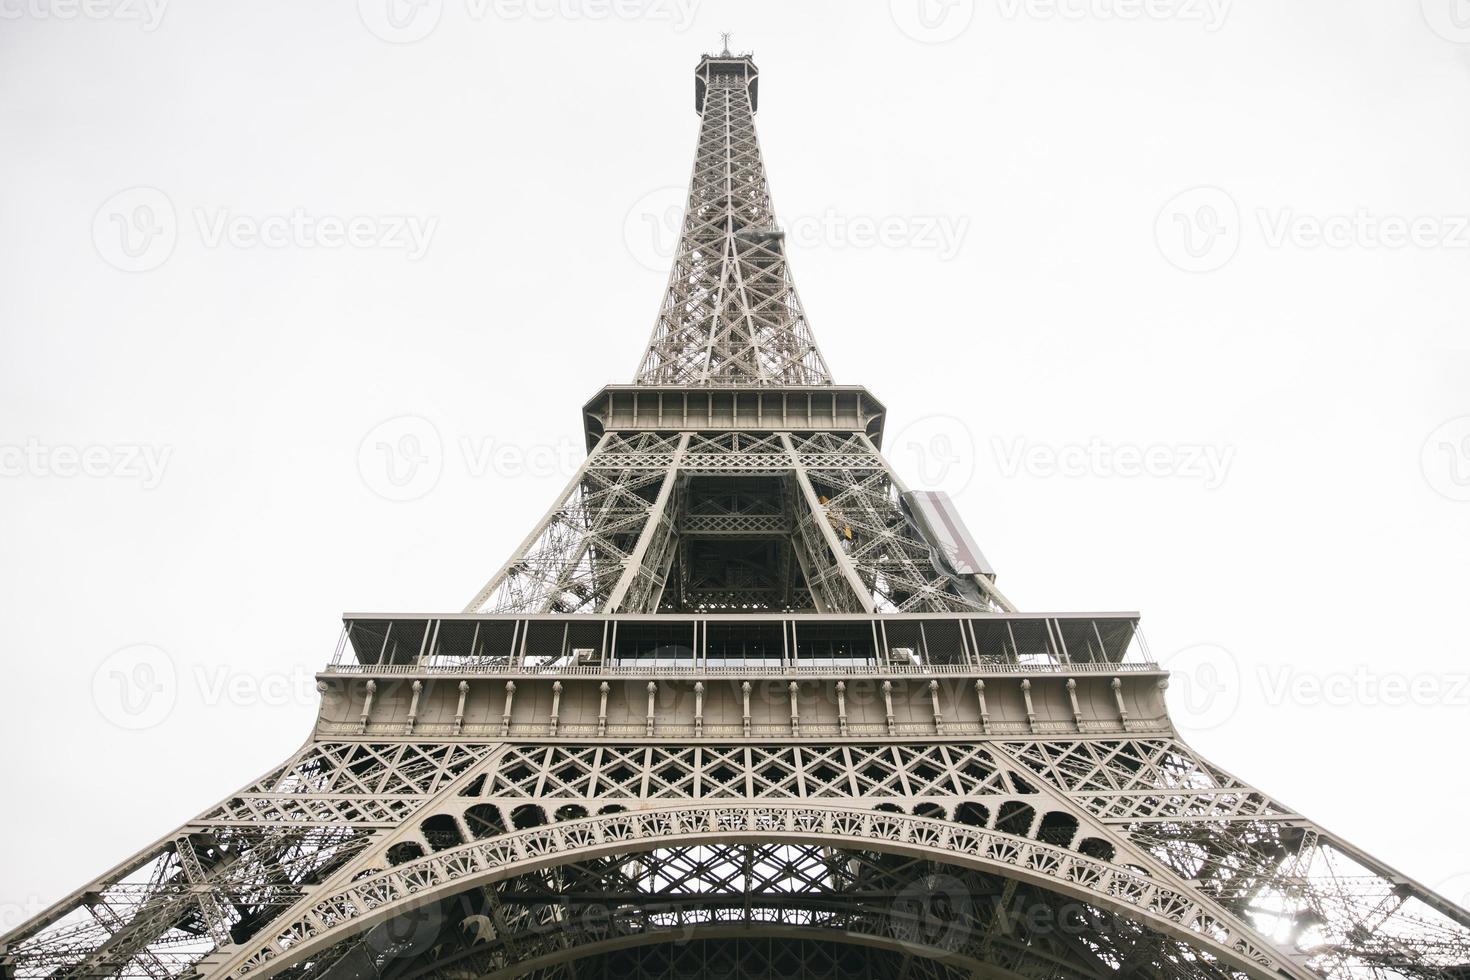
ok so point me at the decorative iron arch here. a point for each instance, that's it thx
(673, 895)
(362, 903)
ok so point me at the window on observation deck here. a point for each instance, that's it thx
(834, 644)
(745, 644)
(655, 644)
(1031, 642)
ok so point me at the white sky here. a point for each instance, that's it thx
(533, 151)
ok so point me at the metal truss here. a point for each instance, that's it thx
(810, 907)
(1344, 912)
(833, 785)
(532, 854)
(826, 532)
(237, 866)
(597, 531)
(768, 959)
(334, 915)
(732, 315)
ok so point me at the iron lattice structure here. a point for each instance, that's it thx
(743, 706)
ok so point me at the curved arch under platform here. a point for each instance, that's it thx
(673, 871)
(941, 921)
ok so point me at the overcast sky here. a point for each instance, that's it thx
(1171, 297)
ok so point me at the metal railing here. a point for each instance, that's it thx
(753, 671)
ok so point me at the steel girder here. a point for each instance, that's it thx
(1186, 865)
(610, 541)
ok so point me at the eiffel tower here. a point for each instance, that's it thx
(743, 705)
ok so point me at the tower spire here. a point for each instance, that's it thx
(731, 315)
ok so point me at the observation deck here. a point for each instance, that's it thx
(792, 676)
